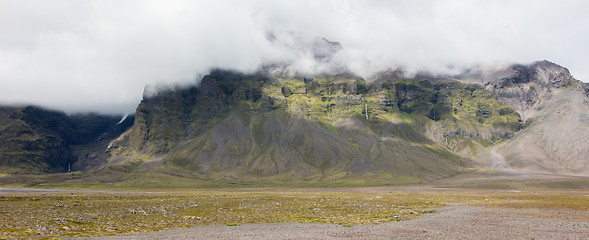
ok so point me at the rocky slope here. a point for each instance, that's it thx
(555, 108)
(330, 129)
(36, 140)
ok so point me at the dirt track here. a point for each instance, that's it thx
(453, 222)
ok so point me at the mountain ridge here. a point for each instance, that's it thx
(264, 128)
(386, 112)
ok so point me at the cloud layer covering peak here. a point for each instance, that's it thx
(99, 55)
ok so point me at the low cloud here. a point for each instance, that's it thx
(100, 55)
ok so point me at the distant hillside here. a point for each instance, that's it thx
(35, 140)
(555, 107)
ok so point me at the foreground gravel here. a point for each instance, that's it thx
(452, 222)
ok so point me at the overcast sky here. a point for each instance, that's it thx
(99, 55)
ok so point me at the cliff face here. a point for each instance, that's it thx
(256, 128)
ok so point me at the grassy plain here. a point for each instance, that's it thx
(63, 214)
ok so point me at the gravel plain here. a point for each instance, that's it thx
(450, 222)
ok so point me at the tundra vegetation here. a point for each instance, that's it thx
(56, 215)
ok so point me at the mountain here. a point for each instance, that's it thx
(555, 109)
(331, 129)
(272, 128)
(36, 140)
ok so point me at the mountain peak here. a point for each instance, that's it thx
(324, 49)
(548, 64)
(552, 74)
(543, 72)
